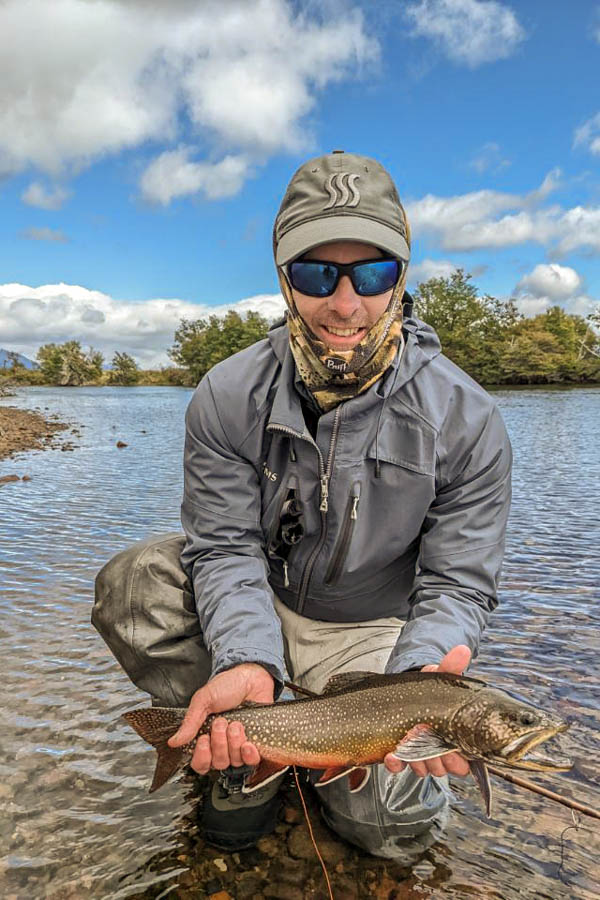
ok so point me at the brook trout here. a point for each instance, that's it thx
(361, 717)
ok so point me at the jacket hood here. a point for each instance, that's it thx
(421, 346)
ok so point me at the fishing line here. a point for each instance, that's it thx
(312, 837)
(576, 825)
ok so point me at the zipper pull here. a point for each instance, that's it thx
(286, 580)
(324, 494)
(354, 512)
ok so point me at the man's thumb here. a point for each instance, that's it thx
(456, 660)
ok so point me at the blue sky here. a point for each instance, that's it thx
(144, 149)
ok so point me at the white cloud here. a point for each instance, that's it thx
(550, 285)
(493, 219)
(553, 281)
(172, 174)
(489, 157)
(469, 32)
(31, 316)
(37, 195)
(430, 268)
(44, 234)
(532, 306)
(588, 135)
(235, 79)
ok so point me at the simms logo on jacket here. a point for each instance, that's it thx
(272, 476)
(344, 183)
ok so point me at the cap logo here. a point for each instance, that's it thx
(348, 192)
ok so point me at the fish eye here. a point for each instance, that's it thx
(527, 718)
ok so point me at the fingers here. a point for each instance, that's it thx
(456, 660)
(202, 758)
(196, 713)
(393, 764)
(250, 755)
(225, 746)
(456, 764)
(449, 764)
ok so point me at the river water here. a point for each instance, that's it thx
(76, 817)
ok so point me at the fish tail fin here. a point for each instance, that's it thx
(156, 725)
(170, 760)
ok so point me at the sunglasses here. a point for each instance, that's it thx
(369, 277)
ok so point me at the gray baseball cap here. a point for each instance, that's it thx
(340, 197)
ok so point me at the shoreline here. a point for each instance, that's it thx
(27, 429)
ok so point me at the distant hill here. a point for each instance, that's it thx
(6, 360)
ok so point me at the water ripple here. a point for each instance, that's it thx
(77, 819)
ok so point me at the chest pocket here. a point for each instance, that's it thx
(394, 507)
(406, 444)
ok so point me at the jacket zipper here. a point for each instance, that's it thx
(286, 487)
(341, 551)
(325, 470)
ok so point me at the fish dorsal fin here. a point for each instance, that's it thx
(346, 680)
(422, 743)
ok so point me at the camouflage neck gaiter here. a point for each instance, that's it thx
(333, 376)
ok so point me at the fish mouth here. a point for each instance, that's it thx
(519, 754)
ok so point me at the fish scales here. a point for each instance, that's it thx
(339, 728)
(361, 717)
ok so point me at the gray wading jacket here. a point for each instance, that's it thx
(398, 508)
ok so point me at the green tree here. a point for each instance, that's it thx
(472, 329)
(125, 370)
(200, 344)
(68, 365)
(531, 355)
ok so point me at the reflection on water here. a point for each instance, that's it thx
(77, 819)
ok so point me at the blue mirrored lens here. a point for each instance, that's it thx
(376, 277)
(313, 278)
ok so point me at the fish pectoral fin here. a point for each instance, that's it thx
(266, 771)
(480, 773)
(422, 743)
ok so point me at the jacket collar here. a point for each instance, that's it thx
(421, 346)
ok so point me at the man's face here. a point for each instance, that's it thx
(345, 311)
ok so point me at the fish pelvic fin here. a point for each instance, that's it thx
(267, 770)
(156, 725)
(357, 776)
(481, 775)
(420, 742)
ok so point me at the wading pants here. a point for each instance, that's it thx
(145, 612)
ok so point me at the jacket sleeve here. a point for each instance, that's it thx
(223, 554)
(462, 545)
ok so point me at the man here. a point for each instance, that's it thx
(346, 495)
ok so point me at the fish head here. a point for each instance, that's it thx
(502, 729)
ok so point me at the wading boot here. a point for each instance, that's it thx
(232, 820)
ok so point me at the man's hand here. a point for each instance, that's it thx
(226, 745)
(455, 661)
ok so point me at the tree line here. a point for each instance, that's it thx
(487, 337)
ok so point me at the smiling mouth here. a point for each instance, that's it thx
(342, 332)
